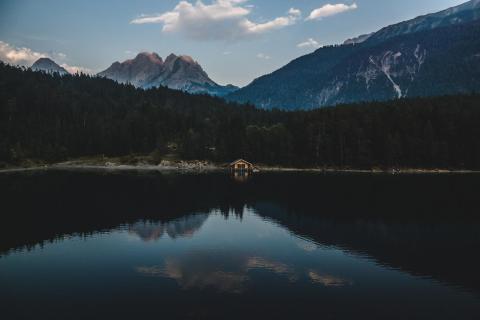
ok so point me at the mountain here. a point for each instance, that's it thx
(49, 66)
(430, 55)
(358, 39)
(148, 70)
(53, 119)
(178, 228)
(464, 13)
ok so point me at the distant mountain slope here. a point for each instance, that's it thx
(464, 13)
(148, 70)
(428, 63)
(429, 55)
(359, 39)
(290, 87)
(49, 66)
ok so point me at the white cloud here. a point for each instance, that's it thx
(294, 12)
(310, 43)
(22, 56)
(19, 56)
(330, 10)
(263, 56)
(219, 20)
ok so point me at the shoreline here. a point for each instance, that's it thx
(209, 167)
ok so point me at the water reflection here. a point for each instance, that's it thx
(191, 274)
(204, 246)
(279, 268)
(226, 265)
(182, 227)
(328, 280)
(241, 176)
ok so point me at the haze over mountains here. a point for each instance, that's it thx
(430, 55)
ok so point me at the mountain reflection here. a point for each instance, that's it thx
(182, 227)
(430, 231)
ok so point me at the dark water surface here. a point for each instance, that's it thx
(93, 245)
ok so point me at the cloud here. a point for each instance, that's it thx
(219, 20)
(188, 277)
(274, 266)
(22, 56)
(330, 10)
(294, 12)
(19, 56)
(310, 43)
(263, 56)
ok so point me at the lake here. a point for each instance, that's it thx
(131, 245)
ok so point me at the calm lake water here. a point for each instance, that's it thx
(99, 245)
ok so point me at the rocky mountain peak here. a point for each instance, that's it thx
(151, 57)
(188, 59)
(171, 58)
(148, 70)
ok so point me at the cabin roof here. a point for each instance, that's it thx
(240, 160)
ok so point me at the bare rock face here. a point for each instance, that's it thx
(148, 70)
(48, 66)
(139, 71)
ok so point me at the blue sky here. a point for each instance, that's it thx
(234, 40)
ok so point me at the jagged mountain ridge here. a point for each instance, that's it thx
(429, 55)
(49, 66)
(148, 70)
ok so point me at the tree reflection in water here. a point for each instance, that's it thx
(290, 237)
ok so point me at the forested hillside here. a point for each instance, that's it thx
(423, 57)
(58, 117)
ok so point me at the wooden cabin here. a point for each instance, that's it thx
(241, 165)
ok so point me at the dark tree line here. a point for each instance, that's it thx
(54, 118)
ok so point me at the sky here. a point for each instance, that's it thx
(235, 41)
